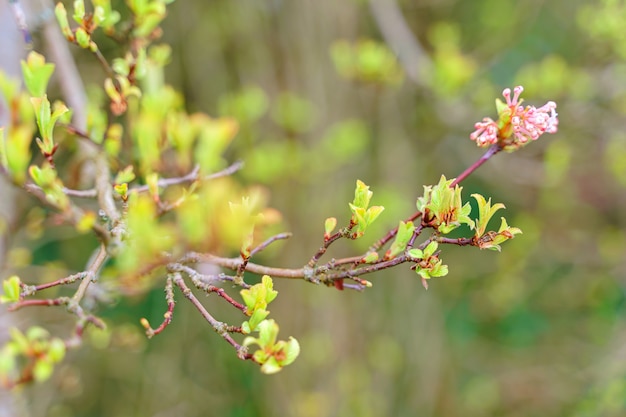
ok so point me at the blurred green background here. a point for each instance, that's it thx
(537, 330)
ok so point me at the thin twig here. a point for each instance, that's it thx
(233, 264)
(179, 267)
(391, 234)
(30, 290)
(461, 241)
(218, 326)
(92, 275)
(365, 269)
(45, 302)
(327, 242)
(169, 314)
(493, 149)
(208, 288)
(262, 246)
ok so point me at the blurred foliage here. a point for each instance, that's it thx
(535, 330)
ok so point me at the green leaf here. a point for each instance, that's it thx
(82, 38)
(61, 15)
(19, 341)
(444, 207)
(329, 226)
(485, 213)
(42, 370)
(125, 176)
(270, 366)
(362, 195)
(215, 136)
(430, 249)
(8, 362)
(37, 333)
(291, 351)
(372, 214)
(268, 332)
(416, 253)
(43, 115)
(79, 11)
(36, 74)
(257, 317)
(11, 290)
(405, 232)
(270, 293)
(259, 295)
(370, 257)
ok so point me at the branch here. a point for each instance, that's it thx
(399, 37)
(493, 149)
(221, 328)
(167, 317)
(234, 263)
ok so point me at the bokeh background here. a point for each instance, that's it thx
(537, 330)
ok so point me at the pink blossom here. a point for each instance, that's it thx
(517, 124)
(532, 122)
(486, 133)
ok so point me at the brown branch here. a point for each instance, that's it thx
(192, 176)
(461, 241)
(91, 275)
(30, 290)
(169, 314)
(233, 264)
(493, 149)
(327, 242)
(193, 274)
(352, 273)
(391, 234)
(45, 302)
(269, 241)
(220, 327)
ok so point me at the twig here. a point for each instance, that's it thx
(392, 233)
(461, 241)
(208, 288)
(327, 242)
(192, 176)
(399, 37)
(221, 328)
(233, 264)
(45, 302)
(365, 269)
(92, 276)
(493, 149)
(91, 193)
(30, 290)
(163, 183)
(169, 314)
(105, 64)
(269, 241)
(179, 267)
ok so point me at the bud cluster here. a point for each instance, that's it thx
(516, 124)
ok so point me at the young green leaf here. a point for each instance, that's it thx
(405, 232)
(36, 74)
(329, 226)
(485, 213)
(11, 290)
